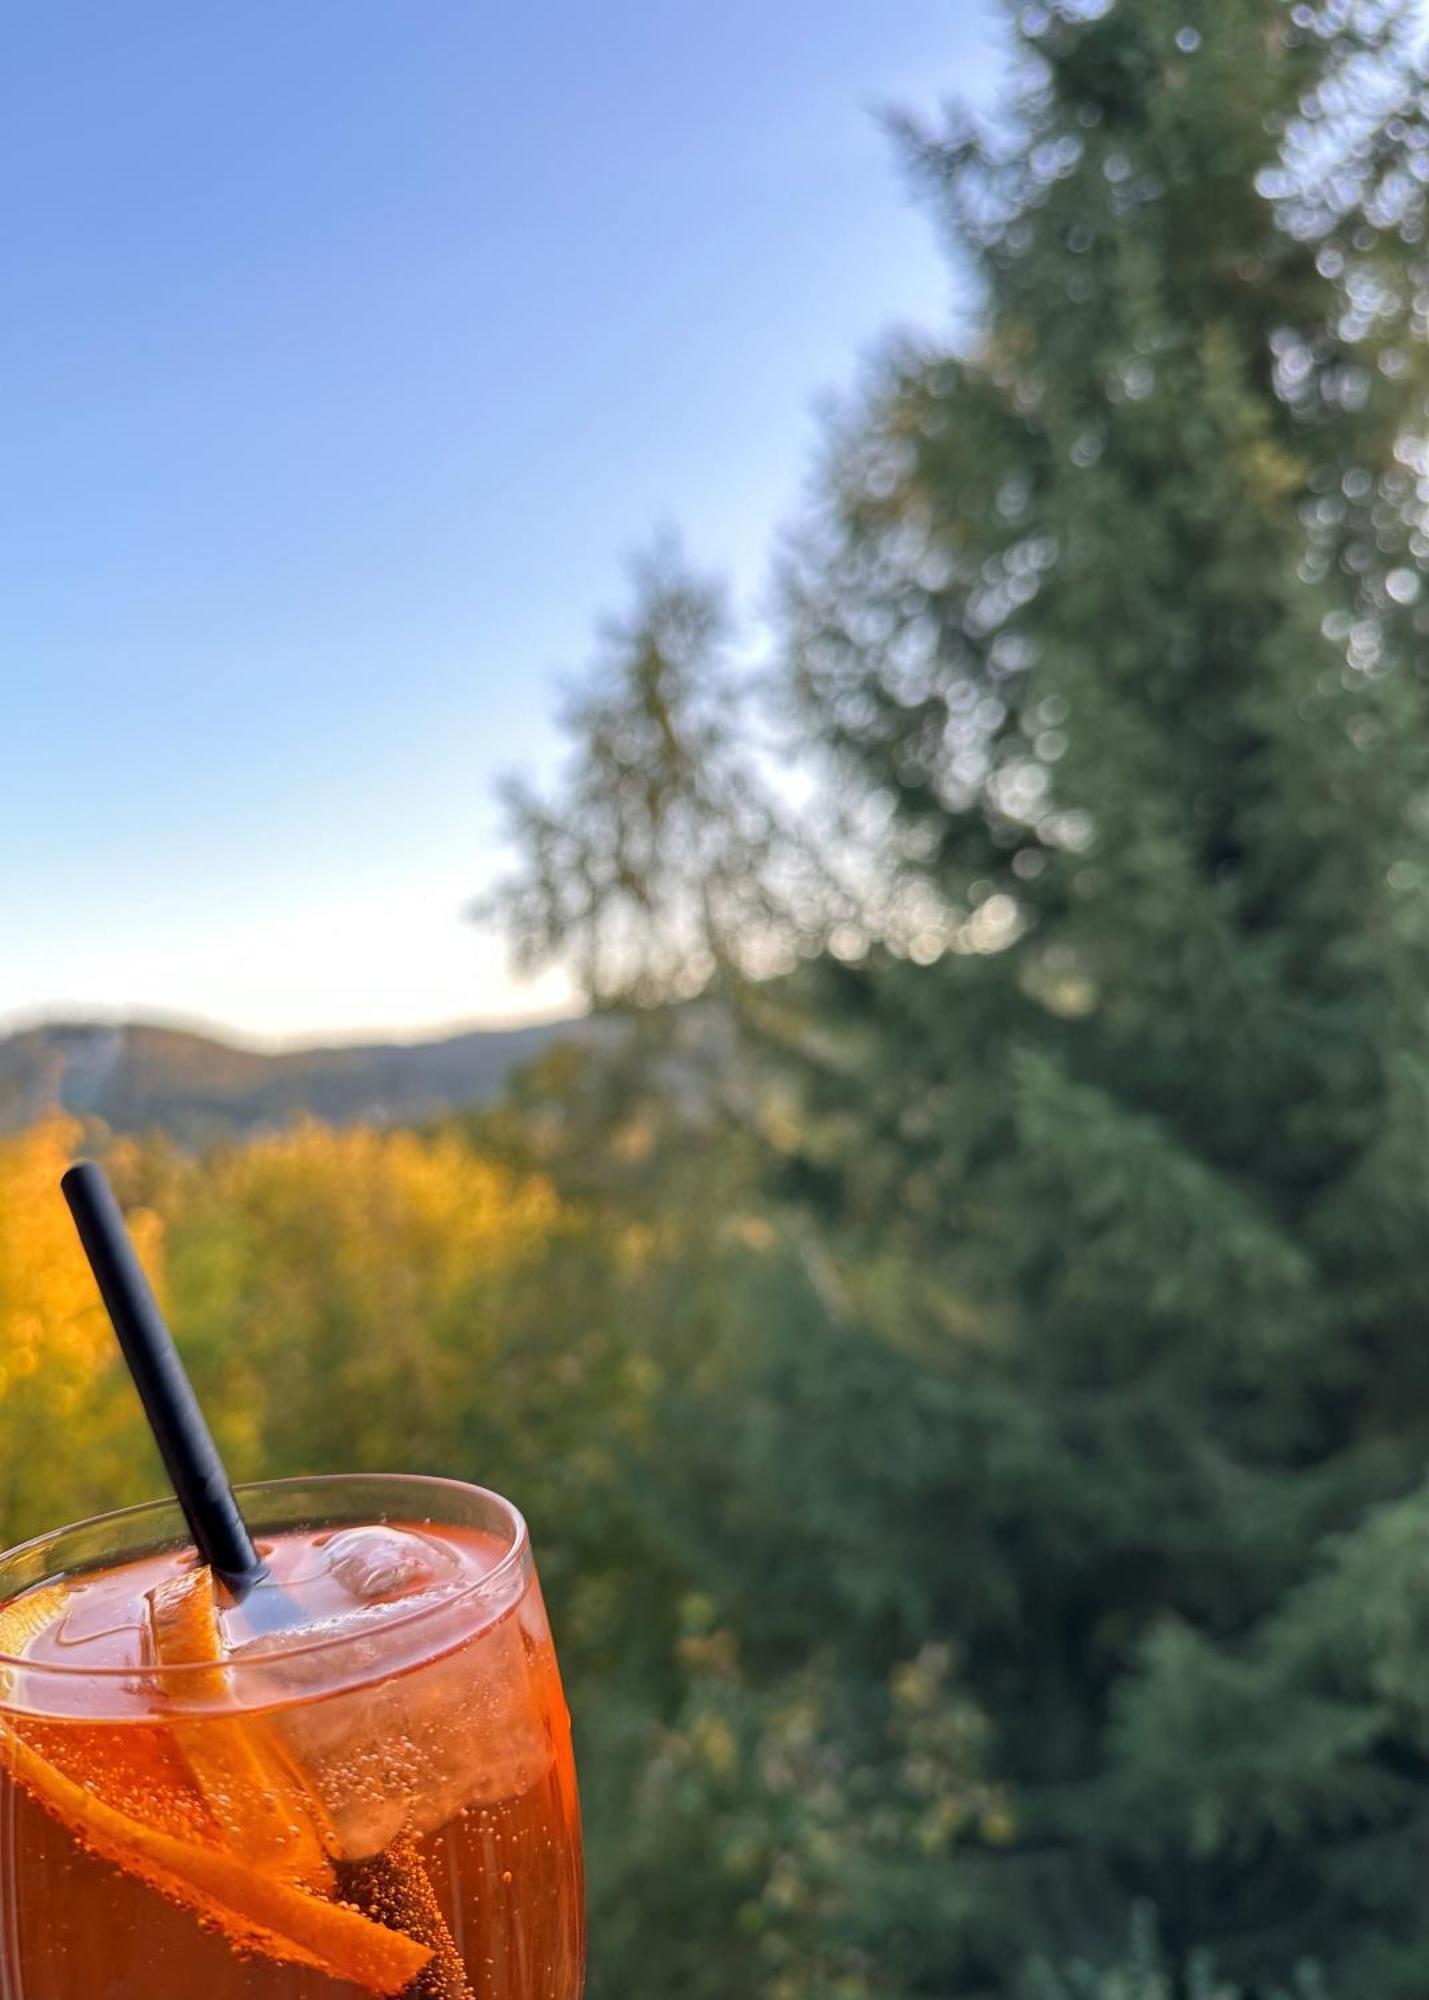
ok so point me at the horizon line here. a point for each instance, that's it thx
(30, 1020)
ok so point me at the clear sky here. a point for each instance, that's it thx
(349, 348)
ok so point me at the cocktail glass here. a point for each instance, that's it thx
(357, 1781)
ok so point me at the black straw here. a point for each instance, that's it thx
(189, 1453)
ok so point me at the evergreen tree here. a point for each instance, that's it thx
(1101, 1111)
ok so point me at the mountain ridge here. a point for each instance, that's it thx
(200, 1087)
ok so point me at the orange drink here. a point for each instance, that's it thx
(357, 1781)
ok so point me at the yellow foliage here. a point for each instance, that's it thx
(1271, 471)
(70, 1437)
(381, 1196)
(715, 1744)
(337, 1294)
(340, 1290)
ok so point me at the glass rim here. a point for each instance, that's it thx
(256, 1654)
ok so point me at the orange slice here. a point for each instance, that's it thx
(253, 1908)
(259, 1803)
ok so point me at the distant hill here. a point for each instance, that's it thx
(198, 1088)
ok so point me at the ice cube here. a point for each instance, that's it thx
(448, 1717)
(375, 1565)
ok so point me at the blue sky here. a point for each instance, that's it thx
(349, 349)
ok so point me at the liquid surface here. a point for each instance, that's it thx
(320, 1586)
(365, 1784)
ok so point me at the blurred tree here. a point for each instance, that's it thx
(1093, 1111)
(1148, 1975)
(662, 860)
(369, 1270)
